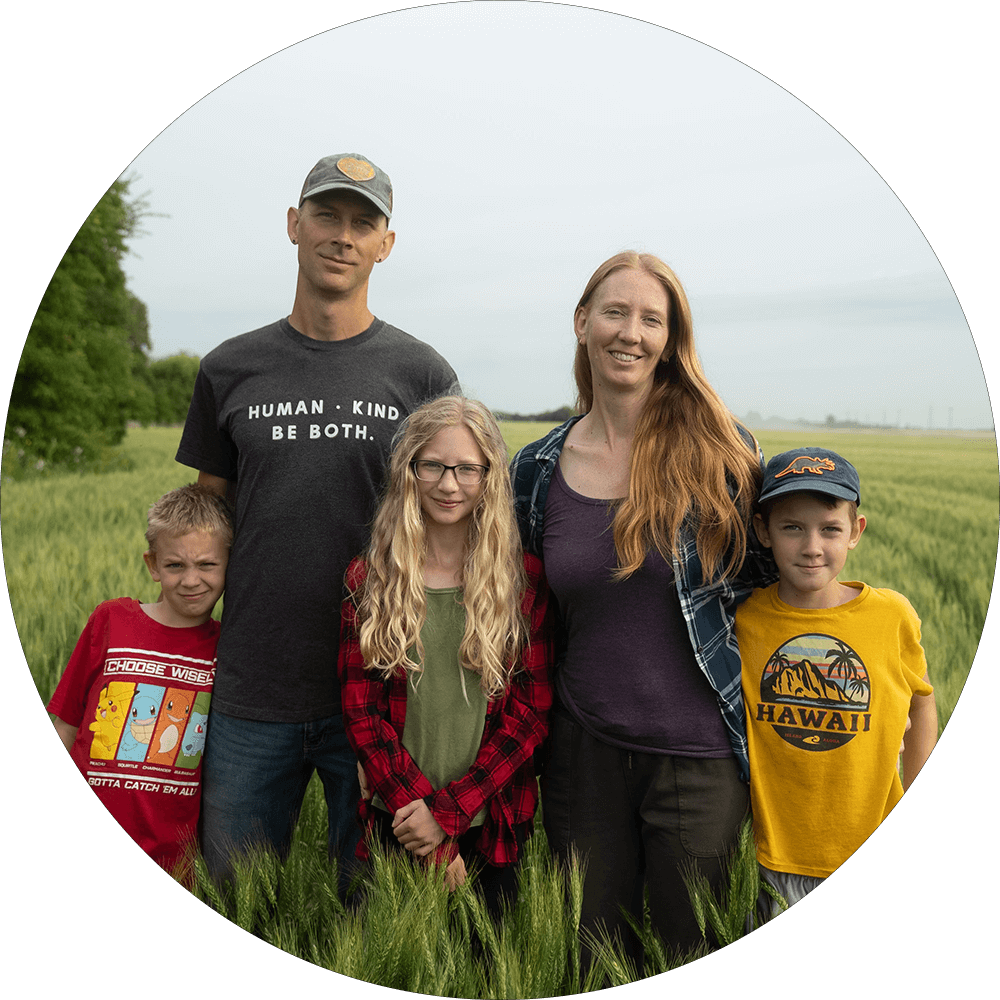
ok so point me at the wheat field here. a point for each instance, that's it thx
(71, 541)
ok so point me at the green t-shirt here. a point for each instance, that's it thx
(445, 706)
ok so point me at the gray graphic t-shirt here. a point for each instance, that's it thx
(304, 428)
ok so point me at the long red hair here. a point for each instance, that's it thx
(689, 463)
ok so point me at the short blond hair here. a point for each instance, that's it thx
(186, 509)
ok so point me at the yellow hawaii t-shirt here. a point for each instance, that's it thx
(827, 693)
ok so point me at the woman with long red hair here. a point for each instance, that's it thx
(640, 510)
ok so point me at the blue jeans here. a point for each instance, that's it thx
(254, 776)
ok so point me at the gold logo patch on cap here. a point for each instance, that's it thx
(357, 170)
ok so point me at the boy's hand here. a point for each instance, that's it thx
(416, 829)
(366, 792)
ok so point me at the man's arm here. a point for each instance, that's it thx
(215, 483)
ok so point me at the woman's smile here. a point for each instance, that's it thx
(624, 328)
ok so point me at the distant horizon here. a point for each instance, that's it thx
(755, 421)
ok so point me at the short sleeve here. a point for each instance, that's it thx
(205, 445)
(69, 701)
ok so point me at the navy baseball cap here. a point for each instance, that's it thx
(812, 470)
(350, 172)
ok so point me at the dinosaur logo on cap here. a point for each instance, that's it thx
(804, 463)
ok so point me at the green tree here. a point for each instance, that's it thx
(142, 400)
(172, 382)
(80, 374)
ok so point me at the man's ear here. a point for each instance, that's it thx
(388, 242)
(293, 224)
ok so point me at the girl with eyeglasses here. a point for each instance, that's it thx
(445, 654)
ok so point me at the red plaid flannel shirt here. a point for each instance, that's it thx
(502, 778)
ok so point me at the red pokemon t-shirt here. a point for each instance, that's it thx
(139, 692)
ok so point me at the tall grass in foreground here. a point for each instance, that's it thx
(71, 541)
(409, 933)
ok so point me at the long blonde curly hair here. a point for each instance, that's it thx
(688, 462)
(391, 603)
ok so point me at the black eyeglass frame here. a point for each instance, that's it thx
(449, 468)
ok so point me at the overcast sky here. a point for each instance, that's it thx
(529, 142)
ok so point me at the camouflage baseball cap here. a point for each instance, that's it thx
(350, 172)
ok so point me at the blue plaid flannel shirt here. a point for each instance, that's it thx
(708, 608)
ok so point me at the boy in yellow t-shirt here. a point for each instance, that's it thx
(831, 671)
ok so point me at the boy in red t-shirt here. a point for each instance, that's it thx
(132, 704)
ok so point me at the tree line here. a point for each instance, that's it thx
(556, 416)
(85, 371)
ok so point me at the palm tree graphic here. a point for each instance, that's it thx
(777, 663)
(845, 662)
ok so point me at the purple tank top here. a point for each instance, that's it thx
(628, 674)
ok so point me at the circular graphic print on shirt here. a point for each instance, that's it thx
(815, 692)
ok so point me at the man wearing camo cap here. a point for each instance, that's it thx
(295, 421)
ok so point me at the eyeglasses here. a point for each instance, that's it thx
(431, 472)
